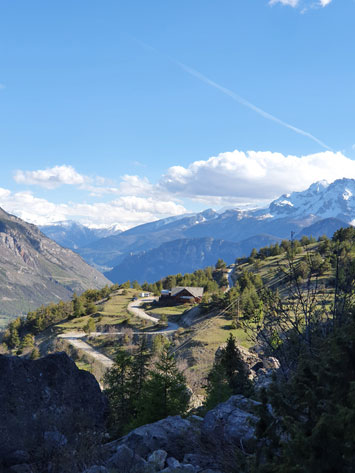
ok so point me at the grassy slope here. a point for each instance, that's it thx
(213, 332)
(112, 312)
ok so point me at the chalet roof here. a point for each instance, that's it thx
(194, 291)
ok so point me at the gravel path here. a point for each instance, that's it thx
(75, 338)
(134, 308)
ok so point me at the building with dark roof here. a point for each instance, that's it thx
(183, 294)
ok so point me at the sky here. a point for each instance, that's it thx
(124, 112)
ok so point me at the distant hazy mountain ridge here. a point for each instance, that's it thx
(73, 235)
(186, 254)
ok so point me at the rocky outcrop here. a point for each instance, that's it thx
(260, 367)
(231, 423)
(192, 445)
(45, 405)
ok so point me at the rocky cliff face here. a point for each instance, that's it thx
(45, 405)
(34, 270)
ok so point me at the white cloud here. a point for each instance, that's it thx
(291, 3)
(2, 86)
(127, 211)
(255, 175)
(135, 185)
(51, 178)
(233, 178)
(305, 4)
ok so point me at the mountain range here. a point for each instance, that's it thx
(35, 270)
(139, 253)
(74, 235)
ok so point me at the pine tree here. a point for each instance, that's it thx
(118, 381)
(90, 326)
(78, 306)
(14, 339)
(164, 393)
(140, 368)
(217, 387)
(228, 376)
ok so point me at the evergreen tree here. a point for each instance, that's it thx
(28, 341)
(90, 308)
(35, 354)
(90, 326)
(221, 264)
(217, 387)
(78, 306)
(140, 364)
(118, 380)
(13, 341)
(164, 393)
(228, 376)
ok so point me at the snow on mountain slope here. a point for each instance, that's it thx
(336, 200)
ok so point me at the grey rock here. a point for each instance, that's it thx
(271, 363)
(231, 423)
(187, 468)
(180, 469)
(210, 471)
(173, 434)
(157, 459)
(17, 457)
(46, 402)
(257, 366)
(126, 460)
(96, 469)
(195, 418)
(172, 462)
(200, 460)
(23, 468)
(54, 439)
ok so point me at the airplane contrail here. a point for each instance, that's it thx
(245, 103)
(237, 98)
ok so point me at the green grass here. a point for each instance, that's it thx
(217, 332)
(112, 312)
(166, 310)
(84, 366)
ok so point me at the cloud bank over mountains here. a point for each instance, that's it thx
(255, 175)
(233, 178)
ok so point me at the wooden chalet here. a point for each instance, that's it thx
(181, 295)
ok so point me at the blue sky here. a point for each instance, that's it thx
(124, 112)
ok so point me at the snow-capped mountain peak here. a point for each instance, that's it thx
(321, 198)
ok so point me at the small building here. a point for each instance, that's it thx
(146, 294)
(186, 294)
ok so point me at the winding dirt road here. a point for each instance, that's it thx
(134, 308)
(76, 338)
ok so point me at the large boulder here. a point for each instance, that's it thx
(173, 434)
(46, 404)
(231, 424)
